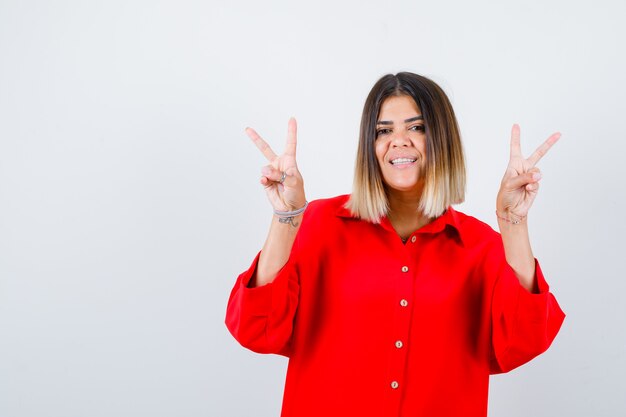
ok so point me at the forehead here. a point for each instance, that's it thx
(397, 108)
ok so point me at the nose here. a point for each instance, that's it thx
(400, 139)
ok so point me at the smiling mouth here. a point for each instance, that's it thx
(399, 161)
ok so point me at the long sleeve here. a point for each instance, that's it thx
(524, 324)
(261, 318)
(375, 326)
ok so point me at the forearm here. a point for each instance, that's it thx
(276, 250)
(518, 252)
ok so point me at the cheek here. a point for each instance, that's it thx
(420, 145)
(380, 149)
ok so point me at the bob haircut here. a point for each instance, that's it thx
(445, 165)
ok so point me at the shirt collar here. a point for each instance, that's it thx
(449, 219)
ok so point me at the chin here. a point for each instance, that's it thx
(411, 186)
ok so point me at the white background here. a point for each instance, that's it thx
(129, 195)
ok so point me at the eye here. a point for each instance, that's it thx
(383, 131)
(417, 128)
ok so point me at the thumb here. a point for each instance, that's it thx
(292, 177)
(522, 180)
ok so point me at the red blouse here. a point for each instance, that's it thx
(375, 327)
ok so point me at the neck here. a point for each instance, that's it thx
(404, 213)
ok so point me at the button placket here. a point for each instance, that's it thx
(405, 283)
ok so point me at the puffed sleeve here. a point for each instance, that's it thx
(261, 318)
(524, 323)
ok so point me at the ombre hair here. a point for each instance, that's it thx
(445, 164)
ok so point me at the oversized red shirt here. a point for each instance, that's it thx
(375, 327)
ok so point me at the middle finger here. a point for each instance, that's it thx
(543, 149)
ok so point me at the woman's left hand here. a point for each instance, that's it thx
(521, 180)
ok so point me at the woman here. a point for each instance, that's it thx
(388, 302)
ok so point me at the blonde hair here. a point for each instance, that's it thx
(445, 163)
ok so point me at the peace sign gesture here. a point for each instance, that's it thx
(282, 180)
(521, 179)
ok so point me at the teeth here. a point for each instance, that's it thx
(402, 161)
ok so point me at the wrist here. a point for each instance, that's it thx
(291, 213)
(509, 217)
(292, 217)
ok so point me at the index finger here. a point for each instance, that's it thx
(292, 133)
(261, 144)
(543, 149)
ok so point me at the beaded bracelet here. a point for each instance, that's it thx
(514, 221)
(289, 214)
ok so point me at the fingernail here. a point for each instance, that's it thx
(536, 176)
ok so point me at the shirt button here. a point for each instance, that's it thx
(413, 239)
(399, 344)
(405, 269)
(394, 384)
(404, 303)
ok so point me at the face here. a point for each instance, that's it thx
(401, 145)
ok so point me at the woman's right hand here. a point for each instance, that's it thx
(285, 192)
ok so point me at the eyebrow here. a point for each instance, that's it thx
(409, 120)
